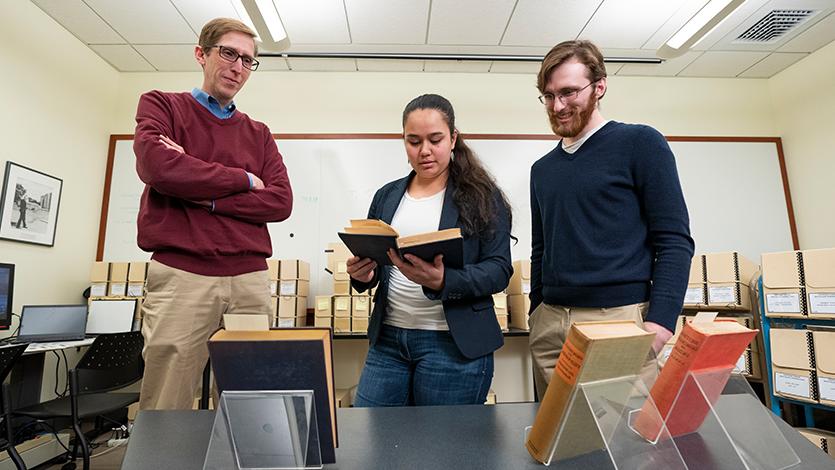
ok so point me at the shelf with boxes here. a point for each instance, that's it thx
(118, 281)
(797, 307)
(289, 288)
(725, 283)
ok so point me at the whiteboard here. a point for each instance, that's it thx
(733, 189)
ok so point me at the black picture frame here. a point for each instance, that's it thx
(29, 205)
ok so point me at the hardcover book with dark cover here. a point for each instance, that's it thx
(373, 238)
(281, 359)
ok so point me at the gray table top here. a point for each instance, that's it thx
(442, 437)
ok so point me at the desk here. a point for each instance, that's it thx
(442, 437)
(35, 348)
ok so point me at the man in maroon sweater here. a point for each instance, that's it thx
(213, 180)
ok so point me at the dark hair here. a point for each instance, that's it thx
(584, 51)
(476, 192)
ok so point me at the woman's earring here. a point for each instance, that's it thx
(451, 155)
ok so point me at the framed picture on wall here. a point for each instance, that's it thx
(29, 205)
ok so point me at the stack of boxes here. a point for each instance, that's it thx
(292, 288)
(800, 284)
(803, 364)
(118, 281)
(347, 311)
(720, 281)
(518, 294)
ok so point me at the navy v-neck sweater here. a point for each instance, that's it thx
(610, 225)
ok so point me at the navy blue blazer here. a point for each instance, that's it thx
(467, 293)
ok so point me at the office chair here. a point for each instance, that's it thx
(112, 362)
(8, 356)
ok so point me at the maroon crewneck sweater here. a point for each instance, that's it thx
(173, 221)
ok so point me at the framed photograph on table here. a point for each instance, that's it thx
(29, 205)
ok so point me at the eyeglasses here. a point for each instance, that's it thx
(231, 55)
(564, 97)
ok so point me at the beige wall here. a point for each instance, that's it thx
(59, 99)
(485, 103)
(803, 103)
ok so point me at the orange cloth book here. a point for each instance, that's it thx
(711, 347)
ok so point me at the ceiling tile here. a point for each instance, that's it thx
(628, 24)
(170, 57)
(389, 65)
(721, 64)
(304, 64)
(272, 64)
(327, 26)
(122, 57)
(817, 36)
(457, 66)
(387, 22)
(80, 20)
(668, 68)
(772, 64)
(199, 12)
(729, 41)
(502, 66)
(469, 21)
(547, 22)
(145, 22)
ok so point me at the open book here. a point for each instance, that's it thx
(369, 238)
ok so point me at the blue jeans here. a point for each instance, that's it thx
(421, 367)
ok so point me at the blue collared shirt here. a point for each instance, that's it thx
(213, 105)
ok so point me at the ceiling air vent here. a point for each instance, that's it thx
(774, 26)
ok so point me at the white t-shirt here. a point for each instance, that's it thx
(575, 146)
(408, 306)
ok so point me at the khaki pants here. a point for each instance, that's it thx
(549, 326)
(181, 311)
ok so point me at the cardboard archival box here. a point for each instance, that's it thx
(342, 287)
(337, 252)
(294, 269)
(361, 306)
(491, 397)
(502, 319)
(824, 342)
(359, 324)
(323, 306)
(243, 322)
(272, 269)
(696, 294)
(341, 306)
(825, 440)
(99, 275)
(520, 305)
(297, 287)
(782, 287)
(287, 359)
(819, 267)
(593, 351)
(749, 364)
(118, 280)
(792, 365)
(291, 322)
(137, 272)
(520, 281)
(729, 277)
(500, 303)
(292, 306)
(341, 324)
(343, 397)
(340, 272)
(323, 322)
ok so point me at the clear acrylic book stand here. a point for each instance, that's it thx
(267, 430)
(715, 422)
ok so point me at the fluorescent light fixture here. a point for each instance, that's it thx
(262, 17)
(706, 20)
(270, 16)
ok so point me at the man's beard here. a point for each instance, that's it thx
(579, 119)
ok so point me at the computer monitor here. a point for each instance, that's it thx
(6, 291)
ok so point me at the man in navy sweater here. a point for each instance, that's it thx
(610, 230)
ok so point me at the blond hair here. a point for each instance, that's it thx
(216, 28)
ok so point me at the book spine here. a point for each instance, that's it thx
(542, 436)
(667, 386)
